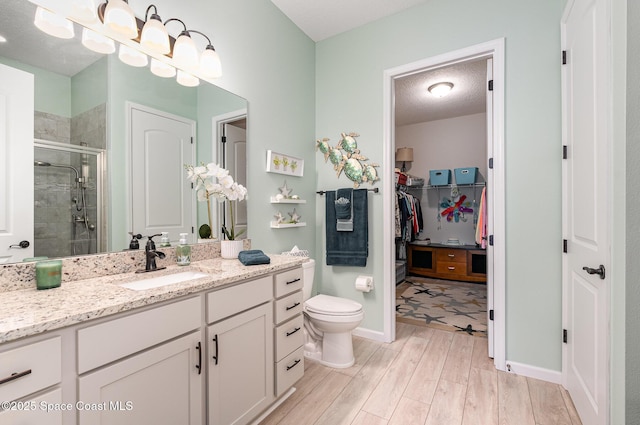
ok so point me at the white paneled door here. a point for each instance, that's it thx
(16, 159)
(162, 199)
(586, 207)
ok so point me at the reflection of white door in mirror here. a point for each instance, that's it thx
(236, 162)
(162, 199)
(16, 159)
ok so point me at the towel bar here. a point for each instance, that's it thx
(374, 190)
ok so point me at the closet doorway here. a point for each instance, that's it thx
(462, 131)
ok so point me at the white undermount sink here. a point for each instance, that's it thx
(164, 280)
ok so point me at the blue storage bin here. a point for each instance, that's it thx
(439, 177)
(466, 175)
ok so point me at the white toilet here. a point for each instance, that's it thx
(328, 322)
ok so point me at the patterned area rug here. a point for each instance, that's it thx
(443, 304)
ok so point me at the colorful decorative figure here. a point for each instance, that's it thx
(346, 157)
(454, 211)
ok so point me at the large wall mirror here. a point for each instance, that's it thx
(84, 159)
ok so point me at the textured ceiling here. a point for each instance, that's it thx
(27, 44)
(414, 103)
(326, 18)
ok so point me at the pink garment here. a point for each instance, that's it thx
(481, 228)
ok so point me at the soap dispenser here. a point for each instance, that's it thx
(183, 251)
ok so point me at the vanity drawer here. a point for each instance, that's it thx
(30, 368)
(289, 370)
(446, 255)
(287, 282)
(287, 307)
(449, 268)
(114, 339)
(235, 299)
(289, 336)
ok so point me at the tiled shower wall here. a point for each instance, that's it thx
(55, 188)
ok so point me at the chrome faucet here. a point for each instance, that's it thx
(151, 254)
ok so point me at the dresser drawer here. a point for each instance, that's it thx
(30, 368)
(288, 282)
(289, 336)
(449, 268)
(117, 338)
(447, 255)
(289, 370)
(287, 307)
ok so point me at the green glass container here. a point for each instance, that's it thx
(48, 274)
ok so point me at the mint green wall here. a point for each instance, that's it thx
(270, 62)
(137, 85)
(212, 101)
(89, 87)
(52, 91)
(349, 90)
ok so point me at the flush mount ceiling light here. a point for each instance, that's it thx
(53, 24)
(440, 89)
(97, 42)
(119, 17)
(154, 35)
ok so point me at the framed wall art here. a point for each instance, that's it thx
(284, 164)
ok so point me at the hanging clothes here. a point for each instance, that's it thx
(481, 228)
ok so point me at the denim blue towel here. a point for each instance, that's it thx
(347, 248)
(253, 257)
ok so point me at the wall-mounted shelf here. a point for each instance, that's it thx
(444, 186)
(287, 201)
(275, 225)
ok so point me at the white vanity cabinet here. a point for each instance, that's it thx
(288, 329)
(240, 352)
(26, 370)
(144, 368)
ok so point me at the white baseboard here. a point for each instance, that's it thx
(369, 334)
(535, 372)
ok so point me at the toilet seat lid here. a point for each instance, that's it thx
(326, 304)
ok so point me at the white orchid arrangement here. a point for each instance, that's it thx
(211, 180)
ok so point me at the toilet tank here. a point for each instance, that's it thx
(308, 270)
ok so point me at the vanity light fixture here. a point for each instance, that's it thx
(119, 17)
(53, 24)
(185, 53)
(132, 57)
(186, 79)
(154, 35)
(97, 42)
(84, 11)
(162, 69)
(210, 65)
(440, 89)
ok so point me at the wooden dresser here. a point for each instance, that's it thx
(454, 262)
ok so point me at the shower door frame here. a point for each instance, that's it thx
(101, 166)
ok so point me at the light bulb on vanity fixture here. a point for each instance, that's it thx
(119, 17)
(186, 79)
(132, 57)
(97, 42)
(53, 24)
(162, 69)
(154, 35)
(440, 89)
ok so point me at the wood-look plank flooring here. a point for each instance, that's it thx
(427, 376)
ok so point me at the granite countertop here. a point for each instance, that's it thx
(28, 312)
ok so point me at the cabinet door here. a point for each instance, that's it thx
(162, 385)
(240, 356)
